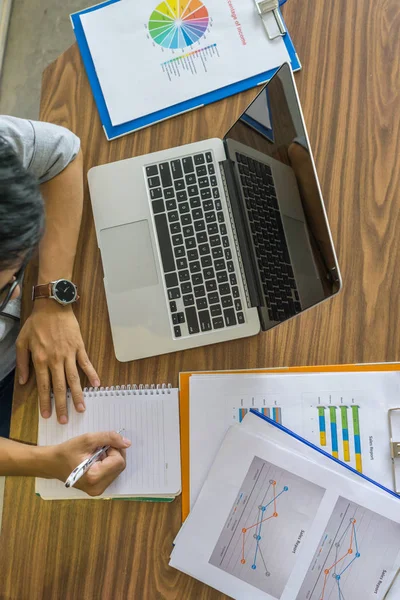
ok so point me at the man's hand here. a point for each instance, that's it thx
(53, 337)
(67, 456)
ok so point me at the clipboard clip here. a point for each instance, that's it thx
(271, 17)
(394, 449)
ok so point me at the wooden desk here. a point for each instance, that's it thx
(349, 89)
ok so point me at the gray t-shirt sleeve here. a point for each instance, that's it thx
(44, 149)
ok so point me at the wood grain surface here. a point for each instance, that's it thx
(349, 90)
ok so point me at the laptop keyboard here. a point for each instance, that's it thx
(200, 276)
(279, 285)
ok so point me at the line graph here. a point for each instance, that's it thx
(355, 557)
(266, 526)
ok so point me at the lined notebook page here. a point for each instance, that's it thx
(151, 422)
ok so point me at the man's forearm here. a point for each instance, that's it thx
(21, 459)
(63, 197)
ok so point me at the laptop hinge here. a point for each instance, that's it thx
(242, 235)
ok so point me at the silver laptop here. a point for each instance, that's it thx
(215, 240)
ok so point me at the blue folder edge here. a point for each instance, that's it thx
(115, 131)
(314, 447)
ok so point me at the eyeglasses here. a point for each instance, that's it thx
(7, 291)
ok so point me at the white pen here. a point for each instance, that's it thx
(81, 469)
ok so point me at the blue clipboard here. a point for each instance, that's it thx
(314, 447)
(115, 131)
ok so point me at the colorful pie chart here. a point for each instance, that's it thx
(177, 24)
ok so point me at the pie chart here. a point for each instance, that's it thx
(177, 24)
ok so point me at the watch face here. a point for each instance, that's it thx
(65, 291)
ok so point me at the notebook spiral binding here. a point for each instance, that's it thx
(129, 390)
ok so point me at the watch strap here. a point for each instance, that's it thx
(42, 291)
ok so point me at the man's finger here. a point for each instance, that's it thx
(106, 438)
(22, 363)
(88, 368)
(44, 389)
(60, 392)
(74, 384)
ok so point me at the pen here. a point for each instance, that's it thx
(81, 469)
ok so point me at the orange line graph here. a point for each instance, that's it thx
(348, 553)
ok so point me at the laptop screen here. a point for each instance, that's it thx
(283, 212)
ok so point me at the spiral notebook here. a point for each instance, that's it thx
(150, 417)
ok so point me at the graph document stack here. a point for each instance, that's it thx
(276, 519)
(150, 60)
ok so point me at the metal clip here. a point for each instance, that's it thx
(394, 449)
(271, 17)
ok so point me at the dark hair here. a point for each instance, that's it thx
(21, 209)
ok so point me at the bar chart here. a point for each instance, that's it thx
(274, 413)
(339, 432)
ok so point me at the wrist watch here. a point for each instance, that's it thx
(62, 291)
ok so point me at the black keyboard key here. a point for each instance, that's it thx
(191, 320)
(205, 321)
(188, 300)
(213, 298)
(203, 182)
(216, 310)
(201, 303)
(204, 249)
(190, 243)
(232, 279)
(195, 267)
(221, 218)
(215, 240)
(212, 228)
(181, 196)
(171, 280)
(197, 279)
(151, 171)
(169, 193)
(170, 204)
(211, 285)
(199, 225)
(230, 266)
(208, 273)
(181, 263)
(222, 276)
(218, 205)
(181, 317)
(179, 251)
(176, 167)
(155, 193)
(208, 205)
(222, 229)
(210, 217)
(154, 182)
(211, 169)
(190, 179)
(201, 171)
(193, 190)
(197, 213)
(202, 237)
(195, 202)
(206, 261)
(208, 157)
(206, 194)
(184, 276)
(225, 241)
(175, 228)
(297, 307)
(175, 320)
(174, 294)
(213, 181)
(199, 291)
(186, 219)
(173, 216)
(238, 305)
(165, 174)
(228, 254)
(224, 289)
(188, 231)
(215, 192)
(235, 293)
(226, 301)
(219, 264)
(164, 240)
(177, 331)
(229, 316)
(172, 306)
(218, 323)
(186, 287)
(199, 159)
(177, 239)
(188, 166)
(179, 185)
(192, 255)
(158, 206)
(184, 207)
(240, 318)
(217, 253)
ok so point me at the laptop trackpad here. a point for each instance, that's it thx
(128, 257)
